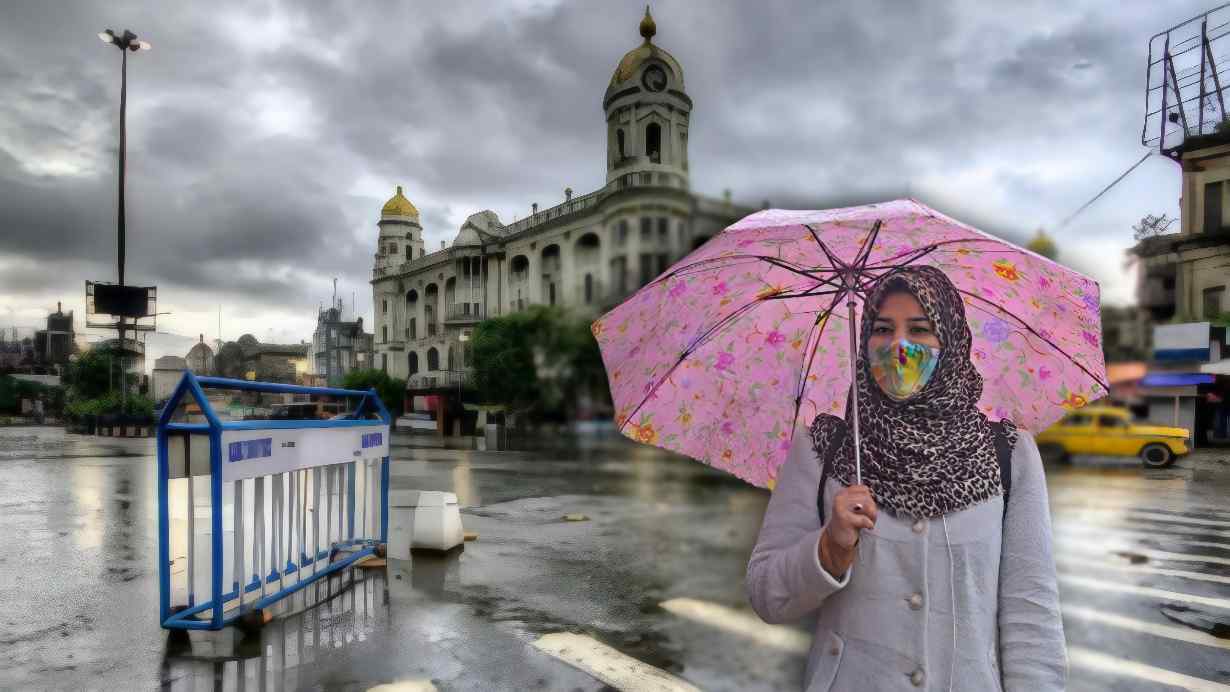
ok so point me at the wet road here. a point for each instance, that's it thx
(647, 591)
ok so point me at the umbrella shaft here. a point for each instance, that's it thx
(853, 414)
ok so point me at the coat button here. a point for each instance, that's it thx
(919, 526)
(917, 677)
(916, 601)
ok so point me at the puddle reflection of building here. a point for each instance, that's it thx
(292, 651)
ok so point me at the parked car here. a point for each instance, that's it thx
(1110, 431)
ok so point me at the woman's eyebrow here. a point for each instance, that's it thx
(919, 319)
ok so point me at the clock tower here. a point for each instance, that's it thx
(647, 111)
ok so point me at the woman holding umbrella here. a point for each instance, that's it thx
(921, 575)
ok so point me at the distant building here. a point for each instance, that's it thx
(168, 370)
(53, 345)
(200, 358)
(1182, 289)
(339, 346)
(588, 252)
(273, 362)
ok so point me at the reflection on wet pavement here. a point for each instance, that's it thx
(654, 574)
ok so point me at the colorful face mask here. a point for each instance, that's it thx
(903, 367)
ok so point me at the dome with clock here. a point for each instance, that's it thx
(635, 58)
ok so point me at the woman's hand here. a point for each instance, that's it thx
(853, 509)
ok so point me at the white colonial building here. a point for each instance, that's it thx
(587, 253)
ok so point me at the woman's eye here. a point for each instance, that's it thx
(880, 329)
(921, 330)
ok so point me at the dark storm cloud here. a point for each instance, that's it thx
(264, 137)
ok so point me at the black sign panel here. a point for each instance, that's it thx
(121, 301)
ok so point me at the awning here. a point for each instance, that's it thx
(1175, 379)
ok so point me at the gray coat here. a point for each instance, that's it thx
(888, 624)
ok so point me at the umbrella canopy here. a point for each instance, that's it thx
(724, 354)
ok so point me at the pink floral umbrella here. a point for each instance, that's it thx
(730, 349)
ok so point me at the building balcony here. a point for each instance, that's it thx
(458, 313)
(441, 379)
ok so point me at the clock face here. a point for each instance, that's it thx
(654, 78)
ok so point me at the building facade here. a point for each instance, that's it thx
(587, 252)
(53, 345)
(200, 358)
(1183, 279)
(168, 370)
(339, 346)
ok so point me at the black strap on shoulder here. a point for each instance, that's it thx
(824, 470)
(1004, 454)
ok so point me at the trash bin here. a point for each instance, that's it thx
(423, 519)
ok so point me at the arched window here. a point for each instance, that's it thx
(653, 142)
(433, 359)
(414, 362)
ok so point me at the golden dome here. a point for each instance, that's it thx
(398, 205)
(634, 58)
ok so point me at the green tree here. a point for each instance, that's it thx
(539, 360)
(392, 391)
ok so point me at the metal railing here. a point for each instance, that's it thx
(441, 378)
(465, 311)
(304, 499)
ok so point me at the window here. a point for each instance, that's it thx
(451, 364)
(646, 268)
(1212, 207)
(384, 362)
(619, 139)
(385, 307)
(433, 359)
(589, 288)
(646, 229)
(384, 333)
(1078, 419)
(408, 254)
(1112, 422)
(622, 238)
(412, 331)
(663, 262)
(653, 142)
(414, 362)
(664, 234)
(551, 293)
(1213, 301)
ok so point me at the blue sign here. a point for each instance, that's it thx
(251, 449)
(373, 439)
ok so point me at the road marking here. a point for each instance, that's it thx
(1151, 516)
(1100, 662)
(1082, 500)
(1183, 634)
(741, 623)
(1101, 519)
(1091, 546)
(1137, 569)
(608, 665)
(1104, 585)
(1101, 531)
(404, 686)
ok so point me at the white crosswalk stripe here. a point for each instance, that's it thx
(1109, 519)
(609, 665)
(1080, 657)
(1085, 562)
(1184, 634)
(741, 623)
(1102, 531)
(1119, 546)
(1107, 585)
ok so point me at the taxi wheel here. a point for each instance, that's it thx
(1054, 453)
(1156, 456)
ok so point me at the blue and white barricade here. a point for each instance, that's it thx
(283, 503)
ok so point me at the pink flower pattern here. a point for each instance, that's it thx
(738, 382)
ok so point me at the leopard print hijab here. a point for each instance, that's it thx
(933, 453)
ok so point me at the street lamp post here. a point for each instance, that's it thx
(125, 42)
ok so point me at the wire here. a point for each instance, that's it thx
(1106, 189)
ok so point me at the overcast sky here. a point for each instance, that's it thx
(264, 137)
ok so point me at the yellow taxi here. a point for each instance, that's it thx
(1109, 431)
